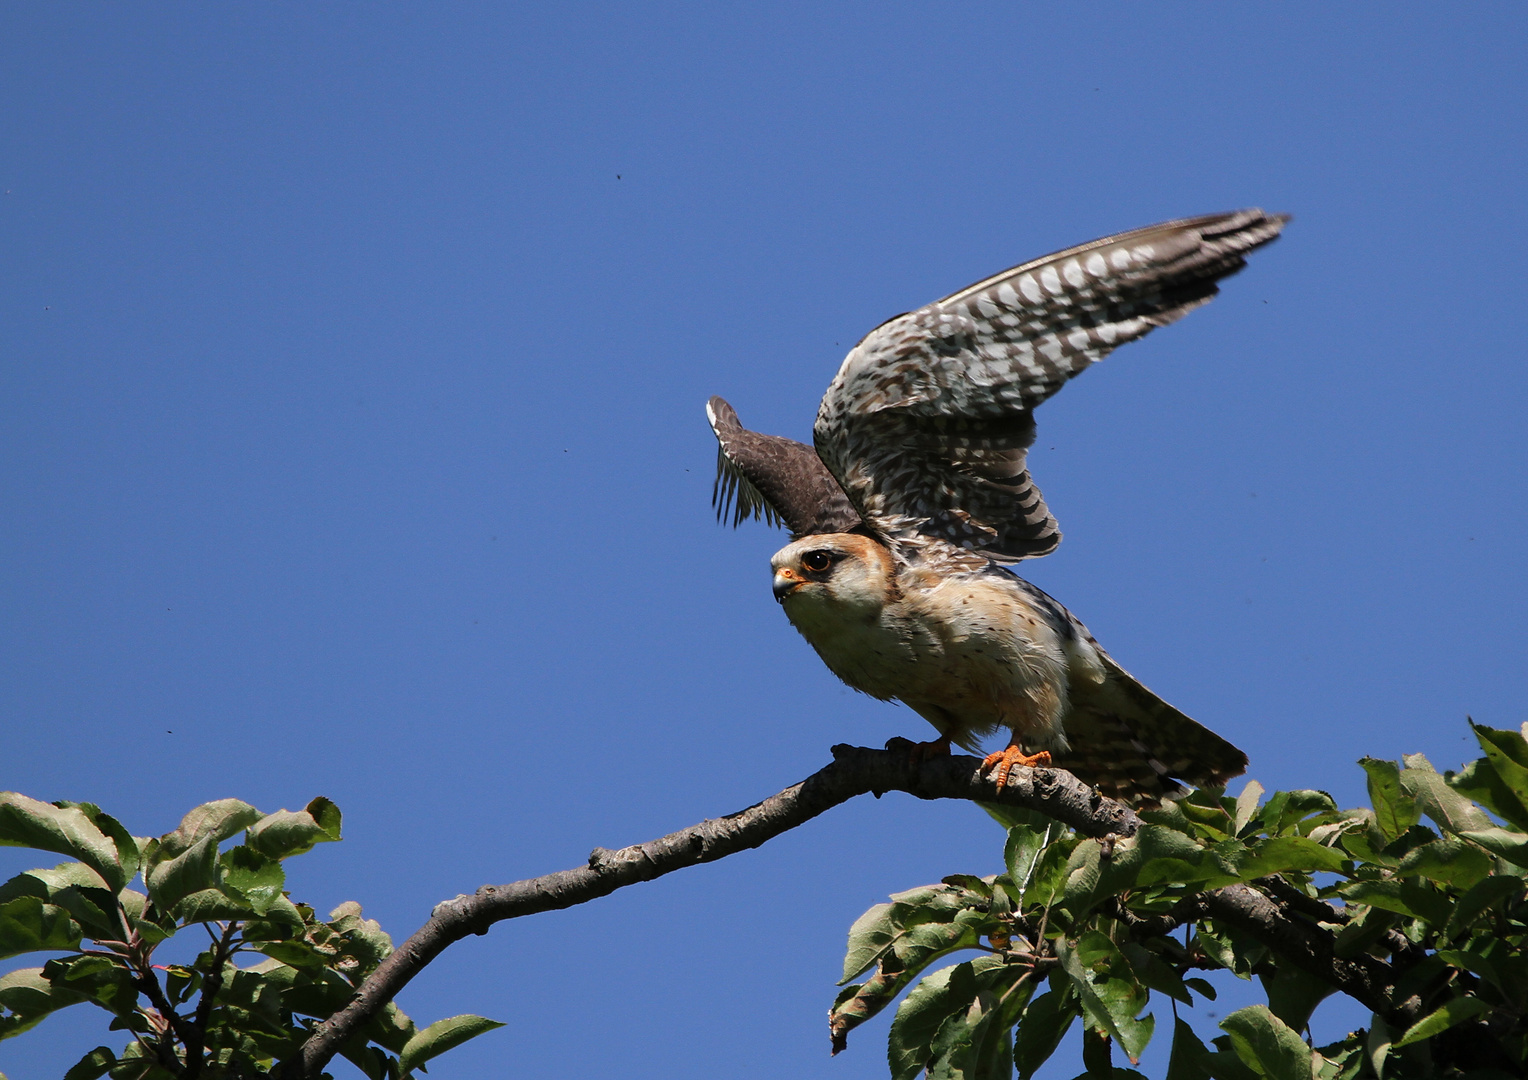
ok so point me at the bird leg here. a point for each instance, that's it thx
(1012, 755)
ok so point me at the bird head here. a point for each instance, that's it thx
(833, 574)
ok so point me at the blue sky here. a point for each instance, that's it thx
(352, 371)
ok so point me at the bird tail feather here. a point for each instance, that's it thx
(1133, 746)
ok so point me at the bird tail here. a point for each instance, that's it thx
(1133, 746)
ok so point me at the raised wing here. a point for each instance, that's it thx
(773, 478)
(927, 424)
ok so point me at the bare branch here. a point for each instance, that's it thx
(854, 771)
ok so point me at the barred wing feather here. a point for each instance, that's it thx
(928, 422)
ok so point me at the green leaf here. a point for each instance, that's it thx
(103, 980)
(77, 889)
(151, 931)
(1110, 995)
(855, 1004)
(1450, 810)
(1267, 1045)
(1234, 951)
(27, 924)
(1395, 810)
(1168, 856)
(361, 938)
(67, 830)
(1512, 846)
(1367, 846)
(1284, 854)
(286, 833)
(1480, 782)
(918, 1018)
(211, 905)
(1207, 822)
(93, 1065)
(1081, 890)
(1402, 845)
(391, 1028)
(1294, 993)
(933, 917)
(127, 845)
(1362, 931)
(1246, 806)
(1447, 861)
(1476, 964)
(1021, 854)
(252, 876)
(1507, 751)
(369, 1059)
(29, 997)
(215, 820)
(1487, 894)
(1044, 1023)
(1154, 973)
(191, 870)
(1202, 987)
(441, 1036)
(1048, 881)
(1190, 1057)
(1341, 1060)
(971, 883)
(1410, 897)
(973, 1043)
(1297, 811)
(1378, 1044)
(1454, 1012)
(1156, 854)
(869, 937)
(901, 940)
(1097, 1054)
(282, 922)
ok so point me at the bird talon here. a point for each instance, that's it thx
(1004, 760)
(919, 752)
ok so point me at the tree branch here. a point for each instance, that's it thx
(1364, 978)
(854, 771)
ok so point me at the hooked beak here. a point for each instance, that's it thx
(786, 582)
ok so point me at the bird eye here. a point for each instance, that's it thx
(817, 561)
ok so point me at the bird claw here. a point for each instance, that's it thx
(1004, 760)
(919, 752)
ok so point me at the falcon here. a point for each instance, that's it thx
(917, 493)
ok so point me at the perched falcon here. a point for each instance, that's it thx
(917, 491)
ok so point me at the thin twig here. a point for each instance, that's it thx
(197, 1042)
(148, 985)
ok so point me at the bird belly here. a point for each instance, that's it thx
(1000, 663)
(967, 656)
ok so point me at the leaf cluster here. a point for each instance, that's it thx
(271, 969)
(1423, 890)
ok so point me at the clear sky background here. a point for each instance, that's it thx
(352, 370)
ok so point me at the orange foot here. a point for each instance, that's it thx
(1007, 758)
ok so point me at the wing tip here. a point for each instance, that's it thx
(1245, 230)
(721, 415)
(733, 494)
